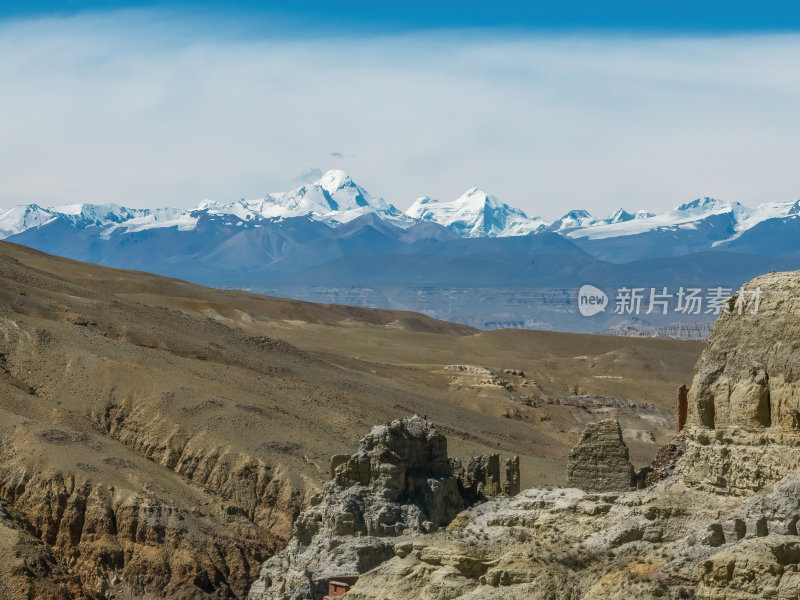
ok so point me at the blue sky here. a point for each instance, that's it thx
(550, 106)
(632, 15)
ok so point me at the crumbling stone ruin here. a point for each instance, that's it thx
(681, 408)
(480, 479)
(407, 463)
(511, 486)
(665, 462)
(400, 483)
(600, 462)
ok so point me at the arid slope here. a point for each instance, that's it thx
(157, 436)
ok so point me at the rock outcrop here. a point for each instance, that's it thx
(555, 544)
(600, 463)
(666, 541)
(123, 543)
(399, 483)
(743, 427)
(479, 479)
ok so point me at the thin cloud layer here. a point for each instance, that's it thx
(309, 175)
(143, 110)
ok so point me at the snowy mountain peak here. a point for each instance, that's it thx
(345, 193)
(706, 204)
(620, 216)
(575, 219)
(478, 198)
(334, 199)
(95, 215)
(335, 179)
(208, 204)
(476, 214)
(623, 216)
(19, 218)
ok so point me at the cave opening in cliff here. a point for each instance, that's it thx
(707, 412)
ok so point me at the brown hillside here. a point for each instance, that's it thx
(158, 435)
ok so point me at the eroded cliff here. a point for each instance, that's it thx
(743, 428)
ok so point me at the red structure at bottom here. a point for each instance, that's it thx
(338, 585)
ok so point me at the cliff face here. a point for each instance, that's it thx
(114, 542)
(743, 429)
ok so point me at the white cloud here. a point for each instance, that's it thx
(309, 175)
(143, 110)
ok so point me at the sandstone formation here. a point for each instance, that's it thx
(599, 463)
(667, 541)
(399, 483)
(743, 427)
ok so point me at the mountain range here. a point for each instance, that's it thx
(475, 260)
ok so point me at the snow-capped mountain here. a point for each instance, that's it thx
(19, 218)
(580, 220)
(686, 216)
(476, 214)
(474, 259)
(621, 215)
(700, 225)
(91, 215)
(334, 198)
(574, 219)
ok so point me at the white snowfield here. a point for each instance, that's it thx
(336, 199)
(686, 216)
